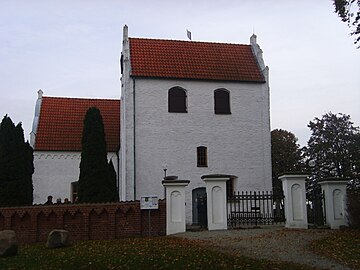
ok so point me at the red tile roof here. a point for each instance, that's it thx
(193, 60)
(61, 123)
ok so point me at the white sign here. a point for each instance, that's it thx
(149, 202)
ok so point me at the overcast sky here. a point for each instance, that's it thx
(71, 48)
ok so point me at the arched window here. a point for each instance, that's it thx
(177, 100)
(222, 101)
(202, 156)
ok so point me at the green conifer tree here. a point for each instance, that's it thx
(16, 165)
(29, 171)
(95, 181)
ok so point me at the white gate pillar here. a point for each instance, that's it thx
(334, 190)
(216, 201)
(295, 200)
(175, 205)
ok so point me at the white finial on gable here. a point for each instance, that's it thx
(125, 33)
(253, 40)
(257, 51)
(125, 50)
(40, 93)
(36, 118)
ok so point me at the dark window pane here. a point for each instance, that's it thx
(202, 156)
(222, 101)
(177, 100)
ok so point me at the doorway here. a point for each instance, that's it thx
(199, 206)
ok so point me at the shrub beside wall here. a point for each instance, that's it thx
(84, 221)
(353, 203)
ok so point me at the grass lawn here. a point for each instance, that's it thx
(134, 253)
(343, 246)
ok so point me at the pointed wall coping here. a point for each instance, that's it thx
(216, 176)
(175, 182)
(334, 180)
(293, 176)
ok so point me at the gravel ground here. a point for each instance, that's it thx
(269, 242)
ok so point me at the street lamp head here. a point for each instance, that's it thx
(312, 163)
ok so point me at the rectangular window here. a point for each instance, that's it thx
(202, 156)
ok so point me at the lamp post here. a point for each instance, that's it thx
(312, 165)
(164, 165)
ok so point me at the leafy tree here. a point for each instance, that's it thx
(353, 188)
(96, 182)
(333, 145)
(16, 165)
(334, 148)
(349, 12)
(285, 157)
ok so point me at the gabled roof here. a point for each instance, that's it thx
(61, 123)
(193, 60)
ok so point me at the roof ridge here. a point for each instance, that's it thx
(190, 41)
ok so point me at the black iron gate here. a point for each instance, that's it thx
(315, 204)
(254, 208)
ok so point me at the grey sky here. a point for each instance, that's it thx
(71, 48)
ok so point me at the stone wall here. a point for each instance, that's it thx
(84, 221)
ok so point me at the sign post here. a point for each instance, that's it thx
(149, 202)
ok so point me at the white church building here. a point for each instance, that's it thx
(187, 109)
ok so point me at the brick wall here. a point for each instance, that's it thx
(84, 221)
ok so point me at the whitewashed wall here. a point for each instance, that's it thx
(238, 144)
(54, 172)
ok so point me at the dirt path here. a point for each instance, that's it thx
(269, 242)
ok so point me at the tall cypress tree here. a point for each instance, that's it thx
(16, 165)
(29, 171)
(96, 179)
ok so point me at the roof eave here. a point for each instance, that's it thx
(197, 79)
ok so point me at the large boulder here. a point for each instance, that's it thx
(57, 239)
(8, 243)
